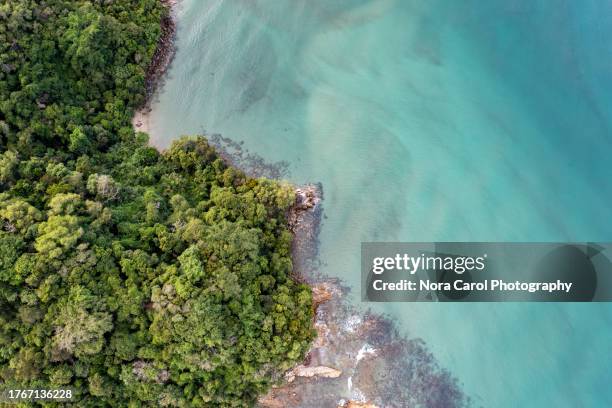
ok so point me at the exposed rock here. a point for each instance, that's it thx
(357, 404)
(316, 371)
(306, 199)
(321, 293)
(164, 53)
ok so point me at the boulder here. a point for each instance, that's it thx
(357, 404)
(316, 371)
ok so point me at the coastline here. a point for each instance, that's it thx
(160, 62)
(349, 361)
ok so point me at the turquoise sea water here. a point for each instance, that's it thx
(428, 120)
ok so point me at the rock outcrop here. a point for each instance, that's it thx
(322, 292)
(357, 404)
(314, 371)
(306, 199)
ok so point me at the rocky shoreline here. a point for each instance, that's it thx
(358, 360)
(162, 57)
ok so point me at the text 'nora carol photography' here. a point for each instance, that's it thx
(486, 272)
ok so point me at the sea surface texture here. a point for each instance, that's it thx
(424, 121)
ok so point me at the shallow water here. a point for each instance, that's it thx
(428, 120)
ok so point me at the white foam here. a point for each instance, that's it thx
(364, 351)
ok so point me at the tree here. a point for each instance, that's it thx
(58, 235)
(135, 277)
(79, 325)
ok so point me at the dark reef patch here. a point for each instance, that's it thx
(252, 164)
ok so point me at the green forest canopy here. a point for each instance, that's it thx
(132, 276)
